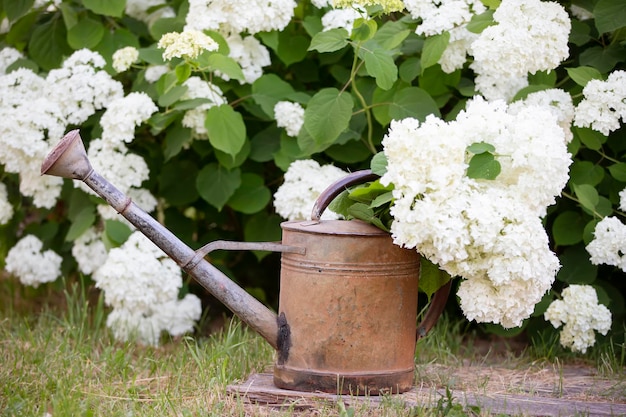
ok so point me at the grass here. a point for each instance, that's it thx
(59, 359)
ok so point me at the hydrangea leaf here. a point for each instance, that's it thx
(392, 34)
(412, 102)
(364, 212)
(483, 166)
(431, 277)
(230, 161)
(609, 15)
(480, 22)
(379, 164)
(434, 46)
(226, 129)
(86, 33)
(582, 75)
(481, 147)
(592, 139)
(116, 231)
(567, 228)
(15, 9)
(176, 182)
(113, 8)
(329, 41)
(379, 64)
(48, 44)
(252, 196)
(268, 90)
(291, 49)
(587, 195)
(216, 185)
(363, 29)
(586, 172)
(618, 171)
(80, 223)
(175, 138)
(225, 65)
(327, 115)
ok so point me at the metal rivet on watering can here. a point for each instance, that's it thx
(348, 299)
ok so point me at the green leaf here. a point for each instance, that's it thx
(226, 129)
(216, 185)
(412, 102)
(431, 277)
(592, 139)
(268, 90)
(226, 65)
(480, 22)
(587, 195)
(113, 8)
(481, 147)
(609, 15)
(483, 166)
(86, 33)
(582, 75)
(329, 41)
(252, 196)
(83, 221)
(391, 34)
(364, 212)
(264, 144)
(48, 45)
(576, 267)
(586, 172)
(177, 182)
(378, 164)
(618, 171)
(380, 64)
(434, 46)
(327, 115)
(175, 138)
(15, 9)
(567, 228)
(172, 95)
(116, 231)
(291, 49)
(229, 161)
(382, 199)
(262, 227)
(363, 29)
(183, 72)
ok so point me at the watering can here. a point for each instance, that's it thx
(348, 295)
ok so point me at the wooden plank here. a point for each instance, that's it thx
(259, 389)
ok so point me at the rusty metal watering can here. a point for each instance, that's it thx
(348, 295)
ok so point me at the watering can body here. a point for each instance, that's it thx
(348, 296)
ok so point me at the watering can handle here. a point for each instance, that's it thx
(439, 299)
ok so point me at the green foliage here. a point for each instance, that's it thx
(352, 86)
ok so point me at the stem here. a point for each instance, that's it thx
(571, 197)
(368, 113)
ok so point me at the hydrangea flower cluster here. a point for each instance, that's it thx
(304, 181)
(6, 209)
(149, 11)
(125, 57)
(604, 104)
(239, 16)
(145, 300)
(30, 264)
(187, 44)
(340, 19)
(290, 116)
(89, 251)
(250, 54)
(609, 243)
(530, 36)
(580, 314)
(489, 232)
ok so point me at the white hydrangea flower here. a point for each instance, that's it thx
(320, 4)
(340, 19)
(26, 261)
(138, 275)
(304, 182)
(438, 16)
(558, 101)
(580, 314)
(494, 86)
(125, 57)
(194, 118)
(124, 114)
(455, 54)
(604, 104)
(141, 284)
(44, 190)
(290, 116)
(388, 6)
(530, 36)
(609, 243)
(8, 55)
(240, 16)
(187, 44)
(122, 169)
(149, 11)
(79, 89)
(250, 54)
(6, 209)
(622, 200)
(580, 13)
(154, 72)
(488, 232)
(89, 251)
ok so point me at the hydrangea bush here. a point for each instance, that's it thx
(496, 127)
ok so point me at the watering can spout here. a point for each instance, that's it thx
(68, 159)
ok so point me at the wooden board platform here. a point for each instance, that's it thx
(260, 390)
